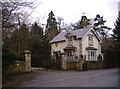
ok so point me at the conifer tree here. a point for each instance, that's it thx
(51, 22)
(116, 32)
(100, 27)
(36, 30)
(39, 46)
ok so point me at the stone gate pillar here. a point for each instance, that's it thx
(27, 61)
(64, 62)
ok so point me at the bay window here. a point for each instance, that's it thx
(91, 55)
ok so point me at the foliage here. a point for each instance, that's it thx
(12, 15)
(51, 26)
(39, 46)
(19, 39)
(110, 54)
(9, 57)
(116, 32)
(36, 30)
(76, 25)
(19, 36)
(99, 26)
(51, 22)
(112, 49)
(60, 22)
(111, 58)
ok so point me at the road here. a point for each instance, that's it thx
(91, 78)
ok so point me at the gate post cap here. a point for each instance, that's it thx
(27, 52)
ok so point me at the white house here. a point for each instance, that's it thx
(77, 44)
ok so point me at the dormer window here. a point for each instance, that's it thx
(70, 41)
(90, 40)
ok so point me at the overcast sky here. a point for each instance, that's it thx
(71, 10)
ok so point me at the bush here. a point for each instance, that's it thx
(111, 58)
(9, 57)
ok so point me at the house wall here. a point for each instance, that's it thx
(76, 43)
(60, 47)
(96, 44)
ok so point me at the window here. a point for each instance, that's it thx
(70, 41)
(56, 44)
(69, 53)
(90, 40)
(91, 55)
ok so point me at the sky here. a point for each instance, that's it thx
(72, 10)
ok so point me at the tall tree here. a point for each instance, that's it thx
(12, 15)
(19, 40)
(36, 30)
(51, 21)
(51, 26)
(116, 32)
(39, 46)
(100, 27)
(36, 36)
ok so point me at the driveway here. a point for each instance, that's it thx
(91, 78)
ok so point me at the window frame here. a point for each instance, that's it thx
(91, 55)
(90, 40)
(69, 41)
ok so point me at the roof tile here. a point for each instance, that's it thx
(78, 33)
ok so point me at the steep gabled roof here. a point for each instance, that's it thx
(78, 33)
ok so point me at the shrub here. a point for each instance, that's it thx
(111, 58)
(9, 57)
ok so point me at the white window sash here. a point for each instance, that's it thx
(91, 55)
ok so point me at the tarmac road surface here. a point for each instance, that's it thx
(90, 78)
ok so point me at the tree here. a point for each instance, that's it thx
(99, 26)
(9, 57)
(36, 38)
(51, 26)
(116, 32)
(76, 25)
(12, 12)
(112, 47)
(60, 22)
(12, 16)
(51, 21)
(36, 30)
(19, 40)
(39, 46)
